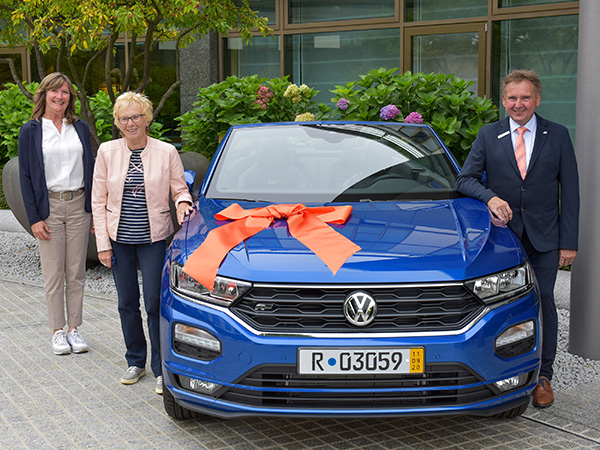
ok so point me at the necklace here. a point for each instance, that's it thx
(54, 122)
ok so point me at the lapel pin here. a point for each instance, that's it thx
(545, 132)
(500, 136)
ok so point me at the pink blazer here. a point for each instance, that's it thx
(163, 173)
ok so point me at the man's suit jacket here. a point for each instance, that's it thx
(31, 169)
(546, 202)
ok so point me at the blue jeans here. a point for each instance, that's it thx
(124, 268)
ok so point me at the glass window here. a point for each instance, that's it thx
(513, 3)
(547, 45)
(264, 8)
(421, 10)
(95, 79)
(323, 60)
(261, 56)
(305, 11)
(456, 53)
(162, 74)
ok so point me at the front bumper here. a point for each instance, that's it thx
(257, 374)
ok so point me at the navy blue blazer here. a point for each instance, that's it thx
(31, 169)
(546, 202)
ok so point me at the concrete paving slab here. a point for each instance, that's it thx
(77, 402)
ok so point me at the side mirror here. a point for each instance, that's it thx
(190, 178)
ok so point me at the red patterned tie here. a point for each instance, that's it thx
(520, 152)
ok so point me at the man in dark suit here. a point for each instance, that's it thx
(532, 186)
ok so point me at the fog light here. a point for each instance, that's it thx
(197, 337)
(516, 340)
(195, 342)
(511, 383)
(196, 385)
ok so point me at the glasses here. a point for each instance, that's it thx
(136, 118)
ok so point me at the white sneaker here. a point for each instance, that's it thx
(75, 340)
(133, 375)
(159, 385)
(60, 346)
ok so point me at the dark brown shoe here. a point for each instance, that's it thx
(542, 394)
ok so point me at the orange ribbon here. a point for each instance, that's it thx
(308, 225)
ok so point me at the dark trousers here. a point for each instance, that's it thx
(151, 258)
(545, 266)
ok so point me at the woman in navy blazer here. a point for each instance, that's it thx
(56, 165)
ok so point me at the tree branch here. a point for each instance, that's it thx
(114, 35)
(178, 81)
(61, 50)
(39, 58)
(86, 111)
(148, 41)
(166, 96)
(132, 53)
(88, 65)
(17, 80)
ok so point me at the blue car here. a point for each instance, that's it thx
(332, 269)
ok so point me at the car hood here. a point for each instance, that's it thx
(409, 241)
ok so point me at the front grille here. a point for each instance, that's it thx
(281, 387)
(320, 309)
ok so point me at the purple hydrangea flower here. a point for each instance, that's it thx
(414, 117)
(389, 112)
(342, 104)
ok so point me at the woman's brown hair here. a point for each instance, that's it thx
(53, 81)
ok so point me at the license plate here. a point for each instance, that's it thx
(388, 360)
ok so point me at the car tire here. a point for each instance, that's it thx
(513, 412)
(176, 411)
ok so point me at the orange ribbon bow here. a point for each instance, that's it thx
(308, 225)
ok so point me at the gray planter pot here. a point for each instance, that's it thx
(12, 191)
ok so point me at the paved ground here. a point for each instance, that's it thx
(77, 402)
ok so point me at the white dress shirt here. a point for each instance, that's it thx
(63, 157)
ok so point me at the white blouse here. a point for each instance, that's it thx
(63, 157)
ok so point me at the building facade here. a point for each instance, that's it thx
(324, 43)
(328, 43)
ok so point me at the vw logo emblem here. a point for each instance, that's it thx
(360, 309)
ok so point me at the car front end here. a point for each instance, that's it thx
(437, 313)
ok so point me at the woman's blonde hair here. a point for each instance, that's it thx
(53, 81)
(133, 98)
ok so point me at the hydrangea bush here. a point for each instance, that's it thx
(245, 100)
(442, 101)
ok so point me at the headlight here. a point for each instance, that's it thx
(225, 292)
(499, 286)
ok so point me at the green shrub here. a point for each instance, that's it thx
(15, 110)
(102, 108)
(3, 202)
(245, 100)
(443, 101)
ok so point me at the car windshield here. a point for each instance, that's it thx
(333, 162)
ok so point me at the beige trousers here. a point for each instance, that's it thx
(63, 260)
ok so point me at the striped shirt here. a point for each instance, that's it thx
(134, 226)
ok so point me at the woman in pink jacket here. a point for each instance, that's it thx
(130, 204)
